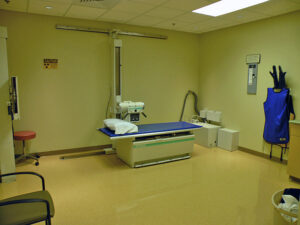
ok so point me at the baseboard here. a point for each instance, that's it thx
(274, 158)
(100, 147)
(73, 150)
(295, 179)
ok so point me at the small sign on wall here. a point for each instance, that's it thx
(50, 63)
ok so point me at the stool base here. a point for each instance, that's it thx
(28, 156)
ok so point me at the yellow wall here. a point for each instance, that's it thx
(65, 106)
(223, 84)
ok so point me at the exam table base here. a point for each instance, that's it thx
(140, 153)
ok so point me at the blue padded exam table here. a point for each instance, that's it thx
(154, 143)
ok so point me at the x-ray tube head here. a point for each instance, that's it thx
(131, 111)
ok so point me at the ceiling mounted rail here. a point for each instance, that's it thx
(113, 32)
(84, 29)
(157, 36)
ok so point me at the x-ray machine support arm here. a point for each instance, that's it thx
(117, 76)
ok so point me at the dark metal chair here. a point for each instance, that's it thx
(28, 208)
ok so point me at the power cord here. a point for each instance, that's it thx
(108, 103)
(195, 103)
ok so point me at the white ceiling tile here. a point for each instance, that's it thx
(117, 16)
(188, 29)
(208, 29)
(108, 4)
(185, 30)
(188, 5)
(16, 5)
(275, 7)
(133, 7)
(194, 28)
(213, 23)
(171, 24)
(191, 17)
(164, 12)
(297, 1)
(82, 12)
(152, 2)
(59, 1)
(211, 28)
(243, 16)
(209, 25)
(145, 20)
(109, 20)
(38, 7)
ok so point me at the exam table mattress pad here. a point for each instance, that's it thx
(153, 128)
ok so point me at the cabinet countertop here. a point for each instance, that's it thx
(295, 122)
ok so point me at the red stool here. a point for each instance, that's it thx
(23, 136)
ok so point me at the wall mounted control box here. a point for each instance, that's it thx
(252, 61)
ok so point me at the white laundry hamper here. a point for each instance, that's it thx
(278, 218)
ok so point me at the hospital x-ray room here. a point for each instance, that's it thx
(149, 112)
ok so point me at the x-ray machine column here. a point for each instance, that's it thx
(117, 76)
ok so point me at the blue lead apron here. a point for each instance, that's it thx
(277, 117)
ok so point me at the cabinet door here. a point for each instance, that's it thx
(295, 130)
(294, 157)
(7, 160)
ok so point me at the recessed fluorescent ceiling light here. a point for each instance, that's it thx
(227, 6)
(48, 7)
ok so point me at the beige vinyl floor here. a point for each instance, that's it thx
(214, 187)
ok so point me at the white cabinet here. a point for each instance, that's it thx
(207, 135)
(293, 166)
(228, 139)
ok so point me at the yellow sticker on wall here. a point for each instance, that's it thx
(50, 63)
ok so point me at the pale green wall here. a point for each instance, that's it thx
(65, 106)
(223, 84)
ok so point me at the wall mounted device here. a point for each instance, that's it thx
(13, 108)
(252, 61)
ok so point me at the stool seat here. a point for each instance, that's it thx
(24, 135)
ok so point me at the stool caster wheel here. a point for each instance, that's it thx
(37, 156)
(37, 163)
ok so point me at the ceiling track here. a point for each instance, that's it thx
(110, 32)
